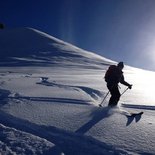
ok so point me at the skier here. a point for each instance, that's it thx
(113, 76)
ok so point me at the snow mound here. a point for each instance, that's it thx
(27, 143)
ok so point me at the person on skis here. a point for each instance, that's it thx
(114, 76)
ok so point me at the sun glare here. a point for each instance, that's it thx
(144, 82)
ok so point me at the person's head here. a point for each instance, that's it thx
(120, 65)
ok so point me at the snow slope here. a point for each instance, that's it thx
(60, 115)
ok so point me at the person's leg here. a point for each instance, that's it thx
(115, 95)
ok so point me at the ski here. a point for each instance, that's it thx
(134, 114)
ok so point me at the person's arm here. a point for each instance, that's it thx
(122, 81)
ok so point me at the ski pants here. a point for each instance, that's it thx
(115, 94)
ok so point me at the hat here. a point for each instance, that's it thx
(120, 64)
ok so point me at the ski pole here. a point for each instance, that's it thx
(108, 94)
(124, 91)
(104, 98)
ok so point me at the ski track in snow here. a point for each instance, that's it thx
(95, 94)
(145, 107)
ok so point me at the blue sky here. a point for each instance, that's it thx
(122, 30)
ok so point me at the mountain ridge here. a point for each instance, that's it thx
(33, 47)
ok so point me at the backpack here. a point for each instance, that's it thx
(112, 75)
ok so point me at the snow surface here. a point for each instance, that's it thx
(49, 96)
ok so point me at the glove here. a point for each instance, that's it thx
(130, 86)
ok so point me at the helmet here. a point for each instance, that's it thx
(120, 64)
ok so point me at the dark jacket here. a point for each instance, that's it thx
(114, 75)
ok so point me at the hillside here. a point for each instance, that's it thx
(60, 115)
(27, 46)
